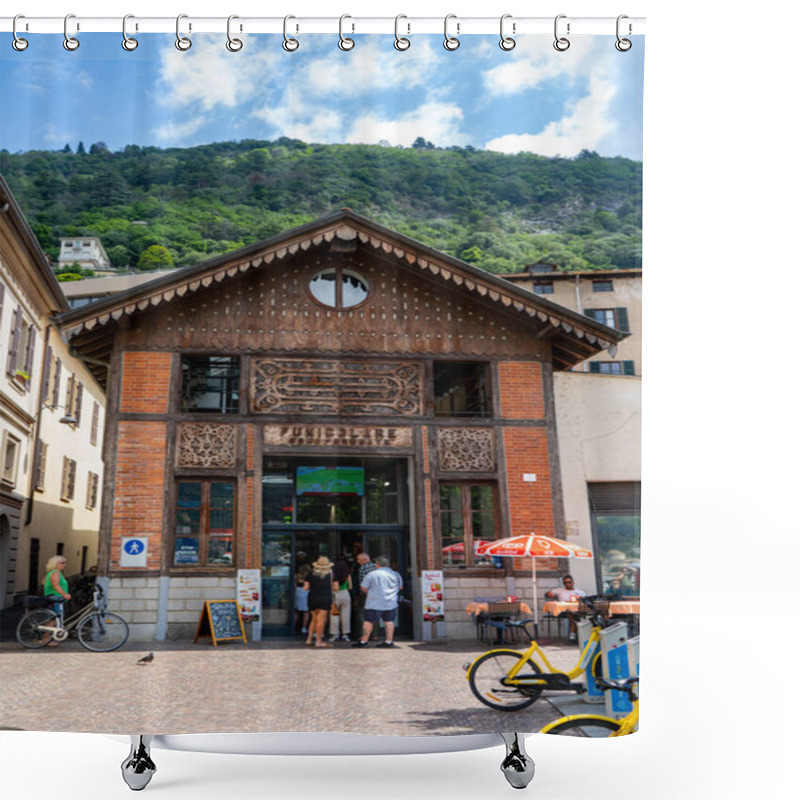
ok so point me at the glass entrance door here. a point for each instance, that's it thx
(391, 544)
(277, 584)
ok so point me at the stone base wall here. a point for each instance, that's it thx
(137, 600)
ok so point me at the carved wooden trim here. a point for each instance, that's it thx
(466, 449)
(336, 386)
(204, 444)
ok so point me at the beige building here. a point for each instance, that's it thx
(51, 422)
(83, 292)
(598, 422)
(610, 296)
(87, 252)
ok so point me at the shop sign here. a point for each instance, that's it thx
(337, 436)
(432, 595)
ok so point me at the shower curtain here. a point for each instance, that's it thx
(349, 309)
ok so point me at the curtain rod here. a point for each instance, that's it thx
(404, 25)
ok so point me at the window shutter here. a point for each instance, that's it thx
(78, 403)
(56, 382)
(2, 295)
(64, 478)
(594, 366)
(628, 368)
(622, 320)
(29, 353)
(95, 422)
(46, 374)
(590, 312)
(16, 330)
(69, 402)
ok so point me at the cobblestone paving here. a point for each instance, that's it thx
(415, 689)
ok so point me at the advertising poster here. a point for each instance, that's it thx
(432, 595)
(248, 593)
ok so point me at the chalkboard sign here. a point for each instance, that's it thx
(222, 621)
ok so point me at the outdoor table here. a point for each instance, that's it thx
(615, 607)
(477, 607)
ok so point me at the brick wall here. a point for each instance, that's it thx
(139, 496)
(145, 383)
(521, 392)
(530, 504)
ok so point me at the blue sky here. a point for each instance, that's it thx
(530, 99)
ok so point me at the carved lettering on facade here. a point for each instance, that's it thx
(336, 436)
(317, 386)
(466, 449)
(203, 444)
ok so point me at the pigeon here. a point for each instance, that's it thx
(146, 659)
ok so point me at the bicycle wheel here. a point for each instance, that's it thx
(103, 632)
(589, 727)
(32, 630)
(486, 681)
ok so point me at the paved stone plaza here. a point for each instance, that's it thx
(414, 689)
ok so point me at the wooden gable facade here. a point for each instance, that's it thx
(347, 346)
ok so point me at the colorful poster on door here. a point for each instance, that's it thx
(432, 595)
(248, 593)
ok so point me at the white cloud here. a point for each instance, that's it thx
(211, 78)
(176, 131)
(50, 133)
(587, 123)
(294, 116)
(439, 123)
(534, 65)
(370, 66)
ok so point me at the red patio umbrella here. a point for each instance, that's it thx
(533, 545)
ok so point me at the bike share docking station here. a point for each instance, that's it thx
(619, 657)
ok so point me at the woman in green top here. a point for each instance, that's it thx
(55, 584)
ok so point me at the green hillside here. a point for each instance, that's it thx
(499, 212)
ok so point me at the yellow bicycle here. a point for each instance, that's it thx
(508, 680)
(596, 725)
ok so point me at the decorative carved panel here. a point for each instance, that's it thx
(336, 386)
(466, 449)
(203, 444)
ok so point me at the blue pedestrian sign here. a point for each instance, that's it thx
(134, 552)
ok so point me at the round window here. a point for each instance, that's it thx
(338, 288)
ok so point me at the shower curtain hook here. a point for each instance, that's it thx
(451, 42)
(19, 44)
(289, 44)
(400, 42)
(623, 45)
(128, 43)
(233, 45)
(506, 42)
(183, 43)
(561, 43)
(70, 42)
(345, 43)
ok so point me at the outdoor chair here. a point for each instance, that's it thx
(498, 615)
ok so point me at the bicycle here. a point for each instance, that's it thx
(596, 725)
(497, 679)
(97, 629)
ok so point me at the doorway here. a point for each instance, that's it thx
(331, 507)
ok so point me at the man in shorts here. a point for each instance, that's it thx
(382, 587)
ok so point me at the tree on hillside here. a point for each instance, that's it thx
(155, 257)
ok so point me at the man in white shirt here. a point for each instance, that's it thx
(382, 587)
(567, 594)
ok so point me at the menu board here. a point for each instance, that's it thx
(248, 593)
(432, 595)
(221, 620)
